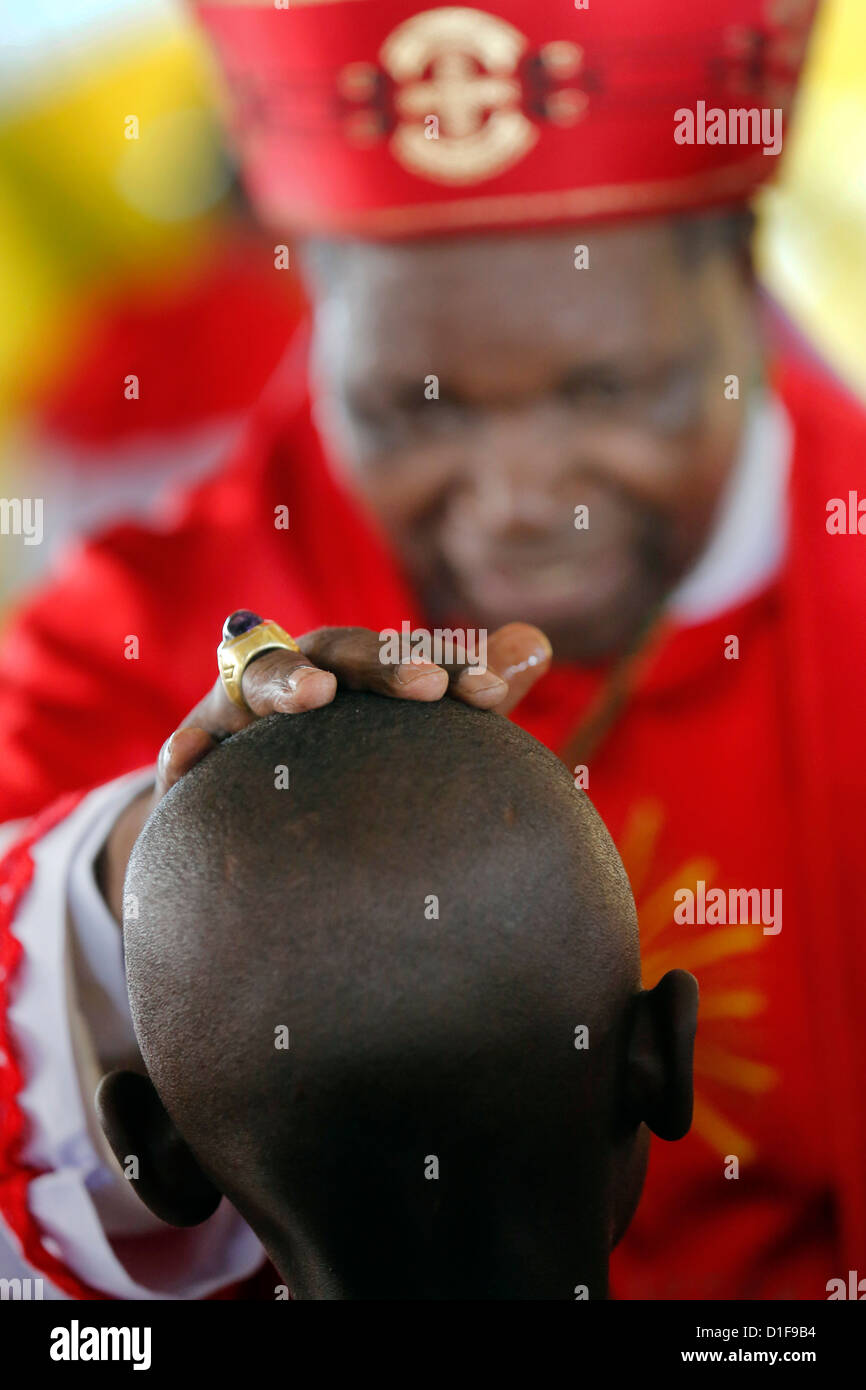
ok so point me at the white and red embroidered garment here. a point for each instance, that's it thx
(67, 1214)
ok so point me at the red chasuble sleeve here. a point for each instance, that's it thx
(825, 611)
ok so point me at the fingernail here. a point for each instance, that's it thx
(486, 681)
(541, 653)
(165, 753)
(410, 672)
(299, 675)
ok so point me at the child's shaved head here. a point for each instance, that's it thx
(384, 973)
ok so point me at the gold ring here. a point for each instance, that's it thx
(246, 636)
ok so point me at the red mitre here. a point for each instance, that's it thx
(385, 118)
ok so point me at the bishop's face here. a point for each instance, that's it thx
(480, 390)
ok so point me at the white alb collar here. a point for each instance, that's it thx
(749, 537)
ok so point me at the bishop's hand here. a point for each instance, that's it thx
(290, 682)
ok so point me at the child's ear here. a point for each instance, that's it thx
(167, 1176)
(660, 1054)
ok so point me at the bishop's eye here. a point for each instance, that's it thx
(609, 388)
(424, 411)
(598, 388)
(675, 401)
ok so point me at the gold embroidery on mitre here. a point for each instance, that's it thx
(767, 62)
(358, 81)
(458, 65)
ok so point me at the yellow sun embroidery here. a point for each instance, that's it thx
(724, 1002)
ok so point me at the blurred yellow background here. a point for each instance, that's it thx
(119, 255)
(74, 218)
(812, 247)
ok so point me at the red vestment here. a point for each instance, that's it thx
(740, 773)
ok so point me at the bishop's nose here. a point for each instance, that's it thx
(515, 479)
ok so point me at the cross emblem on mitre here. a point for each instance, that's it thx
(457, 65)
(458, 94)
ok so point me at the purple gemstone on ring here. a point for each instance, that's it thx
(240, 621)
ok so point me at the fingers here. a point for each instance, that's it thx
(276, 682)
(354, 656)
(287, 682)
(283, 682)
(181, 751)
(517, 655)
